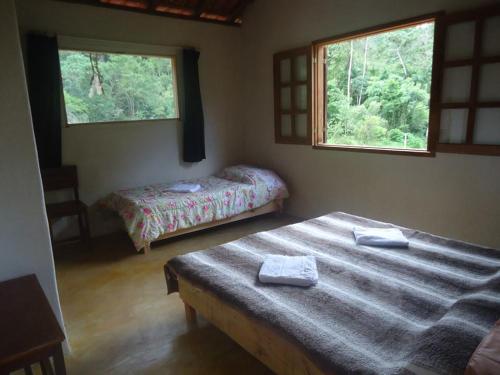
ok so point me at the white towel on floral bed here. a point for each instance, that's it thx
(289, 270)
(184, 188)
(391, 237)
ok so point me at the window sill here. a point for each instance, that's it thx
(122, 122)
(375, 150)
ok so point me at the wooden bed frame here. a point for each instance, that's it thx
(273, 206)
(268, 346)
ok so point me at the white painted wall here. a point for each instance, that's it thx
(122, 155)
(452, 195)
(24, 237)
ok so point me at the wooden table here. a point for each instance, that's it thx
(29, 331)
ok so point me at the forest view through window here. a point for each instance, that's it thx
(109, 87)
(377, 89)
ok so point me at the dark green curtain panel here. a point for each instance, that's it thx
(44, 85)
(193, 126)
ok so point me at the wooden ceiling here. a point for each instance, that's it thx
(228, 12)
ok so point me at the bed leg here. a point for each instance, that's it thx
(190, 315)
(279, 211)
(147, 248)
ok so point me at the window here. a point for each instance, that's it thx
(116, 87)
(373, 89)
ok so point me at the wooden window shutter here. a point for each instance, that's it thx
(469, 107)
(293, 96)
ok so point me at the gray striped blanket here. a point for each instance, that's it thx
(374, 310)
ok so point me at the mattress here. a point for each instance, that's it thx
(374, 310)
(152, 211)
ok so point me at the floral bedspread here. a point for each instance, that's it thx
(151, 211)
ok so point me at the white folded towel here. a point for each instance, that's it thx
(390, 237)
(289, 270)
(184, 188)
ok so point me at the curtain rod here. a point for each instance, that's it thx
(56, 35)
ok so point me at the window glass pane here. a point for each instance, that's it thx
(460, 41)
(378, 89)
(453, 126)
(301, 97)
(489, 84)
(285, 67)
(301, 125)
(491, 36)
(301, 68)
(285, 98)
(286, 125)
(107, 87)
(456, 84)
(487, 128)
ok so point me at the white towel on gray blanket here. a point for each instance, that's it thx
(391, 237)
(184, 188)
(289, 270)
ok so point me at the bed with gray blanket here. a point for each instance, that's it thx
(374, 310)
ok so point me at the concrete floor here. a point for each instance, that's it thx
(120, 320)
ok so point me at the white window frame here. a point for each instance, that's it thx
(68, 43)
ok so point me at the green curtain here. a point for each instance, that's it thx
(193, 125)
(44, 85)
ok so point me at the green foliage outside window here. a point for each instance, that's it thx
(105, 87)
(378, 89)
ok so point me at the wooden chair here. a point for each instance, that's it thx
(62, 178)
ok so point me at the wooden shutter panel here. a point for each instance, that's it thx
(293, 96)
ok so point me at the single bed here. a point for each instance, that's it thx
(153, 212)
(419, 310)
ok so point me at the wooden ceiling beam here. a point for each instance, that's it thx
(150, 11)
(153, 4)
(200, 7)
(238, 11)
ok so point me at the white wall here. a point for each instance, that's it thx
(24, 238)
(114, 156)
(451, 195)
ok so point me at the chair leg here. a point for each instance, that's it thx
(28, 370)
(60, 368)
(46, 367)
(83, 223)
(87, 226)
(81, 226)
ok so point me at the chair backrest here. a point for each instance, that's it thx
(65, 177)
